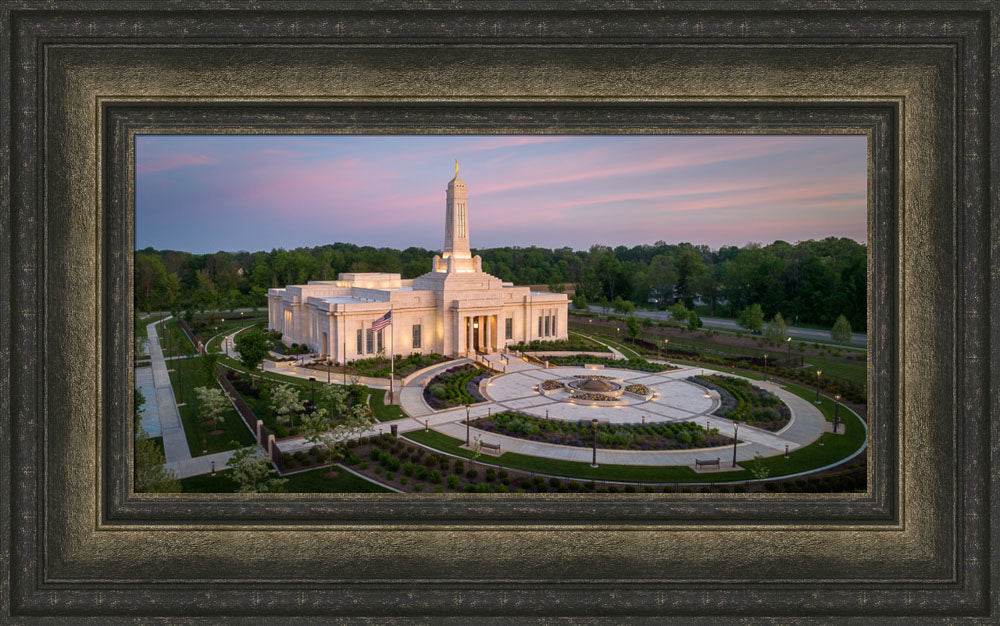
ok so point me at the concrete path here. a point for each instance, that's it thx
(149, 413)
(175, 446)
(198, 465)
(676, 400)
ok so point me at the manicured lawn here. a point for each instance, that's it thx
(187, 371)
(853, 370)
(384, 412)
(306, 482)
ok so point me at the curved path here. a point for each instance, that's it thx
(677, 400)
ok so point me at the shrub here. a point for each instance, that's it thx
(471, 474)
(459, 466)
(364, 465)
(435, 477)
(418, 487)
(469, 489)
(483, 488)
(408, 468)
(501, 489)
(404, 480)
(389, 475)
(422, 472)
(452, 481)
(378, 469)
(554, 482)
(491, 475)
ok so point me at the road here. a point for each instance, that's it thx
(797, 332)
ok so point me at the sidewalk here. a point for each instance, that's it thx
(175, 446)
(198, 465)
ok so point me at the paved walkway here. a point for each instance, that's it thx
(175, 446)
(198, 465)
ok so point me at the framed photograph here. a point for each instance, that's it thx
(228, 370)
(366, 363)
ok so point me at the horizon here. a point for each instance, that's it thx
(254, 193)
(474, 248)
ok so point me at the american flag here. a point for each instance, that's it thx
(382, 322)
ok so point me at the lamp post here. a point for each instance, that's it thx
(593, 462)
(467, 437)
(818, 374)
(329, 364)
(312, 391)
(788, 352)
(836, 412)
(736, 431)
(666, 343)
(765, 367)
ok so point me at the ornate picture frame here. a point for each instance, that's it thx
(83, 78)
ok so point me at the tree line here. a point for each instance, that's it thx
(812, 282)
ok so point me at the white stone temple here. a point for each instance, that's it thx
(455, 309)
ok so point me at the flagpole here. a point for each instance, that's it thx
(392, 357)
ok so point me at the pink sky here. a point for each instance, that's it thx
(208, 193)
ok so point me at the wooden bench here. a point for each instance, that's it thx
(490, 446)
(700, 463)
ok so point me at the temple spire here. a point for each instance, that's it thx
(456, 168)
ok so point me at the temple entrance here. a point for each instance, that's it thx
(480, 334)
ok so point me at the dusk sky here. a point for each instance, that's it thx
(208, 193)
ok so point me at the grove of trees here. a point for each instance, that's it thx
(807, 282)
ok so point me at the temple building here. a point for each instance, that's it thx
(455, 309)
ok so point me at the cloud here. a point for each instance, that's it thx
(170, 161)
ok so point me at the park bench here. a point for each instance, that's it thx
(490, 446)
(700, 463)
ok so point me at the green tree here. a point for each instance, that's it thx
(285, 403)
(841, 330)
(151, 474)
(137, 401)
(580, 301)
(693, 321)
(324, 430)
(334, 399)
(776, 330)
(623, 306)
(757, 468)
(752, 317)
(632, 326)
(690, 270)
(213, 403)
(252, 346)
(206, 365)
(678, 313)
(252, 471)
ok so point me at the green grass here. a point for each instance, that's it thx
(232, 426)
(215, 342)
(173, 341)
(306, 482)
(834, 448)
(385, 412)
(141, 323)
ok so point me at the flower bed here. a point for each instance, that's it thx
(742, 401)
(631, 364)
(639, 390)
(549, 385)
(593, 397)
(455, 387)
(379, 366)
(659, 436)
